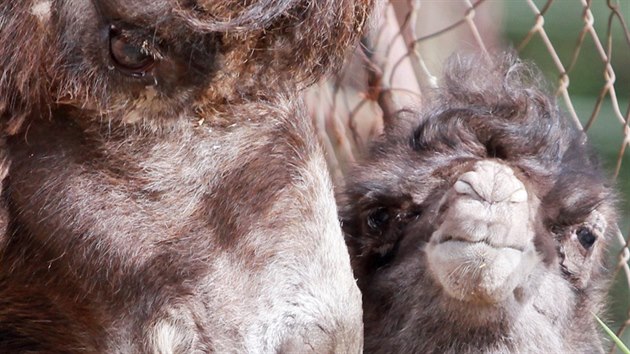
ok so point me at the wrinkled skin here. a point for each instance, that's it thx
(479, 225)
(162, 191)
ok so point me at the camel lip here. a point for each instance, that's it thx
(478, 271)
(461, 239)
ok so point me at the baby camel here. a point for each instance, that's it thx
(479, 225)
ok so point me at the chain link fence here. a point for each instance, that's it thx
(582, 46)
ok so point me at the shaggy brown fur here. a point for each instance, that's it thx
(166, 194)
(215, 52)
(398, 203)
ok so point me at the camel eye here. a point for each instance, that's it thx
(586, 237)
(132, 59)
(378, 218)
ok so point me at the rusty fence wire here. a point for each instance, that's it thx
(582, 46)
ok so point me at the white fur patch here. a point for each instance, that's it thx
(41, 10)
(170, 337)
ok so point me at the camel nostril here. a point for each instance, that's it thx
(465, 188)
(491, 182)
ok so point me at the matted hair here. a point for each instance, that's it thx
(262, 44)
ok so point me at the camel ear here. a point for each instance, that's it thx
(25, 56)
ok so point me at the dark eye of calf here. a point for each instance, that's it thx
(130, 58)
(586, 237)
(378, 219)
(387, 225)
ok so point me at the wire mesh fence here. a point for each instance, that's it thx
(583, 47)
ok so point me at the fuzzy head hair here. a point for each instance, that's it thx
(470, 222)
(153, 60)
